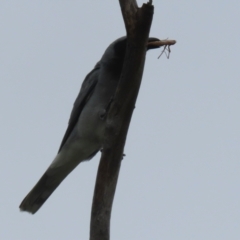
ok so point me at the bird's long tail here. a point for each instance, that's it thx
(45, 187)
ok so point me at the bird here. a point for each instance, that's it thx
(85, 132)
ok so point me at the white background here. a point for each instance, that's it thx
(180, 177)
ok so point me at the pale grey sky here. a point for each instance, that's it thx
(180, 177)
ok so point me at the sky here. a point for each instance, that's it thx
(180, 177)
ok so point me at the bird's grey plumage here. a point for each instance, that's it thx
(84, 135)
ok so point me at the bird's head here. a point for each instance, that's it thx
(115, 53)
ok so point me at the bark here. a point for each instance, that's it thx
(137, 22)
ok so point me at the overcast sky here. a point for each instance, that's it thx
(180, 177)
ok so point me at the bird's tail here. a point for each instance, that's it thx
(45, 187)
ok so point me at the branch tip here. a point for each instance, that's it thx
(149, 2)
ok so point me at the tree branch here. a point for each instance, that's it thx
(137, 22)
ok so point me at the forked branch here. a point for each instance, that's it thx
(137, 22)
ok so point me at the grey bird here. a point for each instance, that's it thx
(85, 131)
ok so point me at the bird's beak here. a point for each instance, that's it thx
(152, 46)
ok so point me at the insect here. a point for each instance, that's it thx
(166, 49)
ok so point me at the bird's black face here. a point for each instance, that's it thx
(116, 51)
(120, 47)
(113, 57)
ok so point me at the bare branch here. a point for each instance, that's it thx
(137, 22)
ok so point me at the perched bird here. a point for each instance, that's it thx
(85, 131)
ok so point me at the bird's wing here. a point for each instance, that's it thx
(85, 93)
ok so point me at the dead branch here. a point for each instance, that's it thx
(137, 22)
